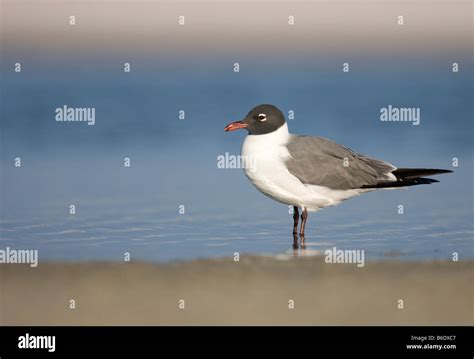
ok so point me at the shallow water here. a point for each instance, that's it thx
(161, 237)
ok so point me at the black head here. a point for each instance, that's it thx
(260, 120)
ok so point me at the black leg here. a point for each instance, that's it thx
(296, 216)
(295, 241)
(304, 216)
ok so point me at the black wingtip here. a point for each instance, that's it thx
(406, 173)
(441, 171)
(403, 183)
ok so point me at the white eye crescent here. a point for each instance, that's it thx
(262, 117)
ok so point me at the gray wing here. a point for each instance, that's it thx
(319, 161)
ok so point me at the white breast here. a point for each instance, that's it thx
(265, 157)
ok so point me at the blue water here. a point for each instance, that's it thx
(154, 236)
(137, 210)
(174, 162)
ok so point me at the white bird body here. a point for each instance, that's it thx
(265, 156)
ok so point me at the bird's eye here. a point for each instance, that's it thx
(262, 117)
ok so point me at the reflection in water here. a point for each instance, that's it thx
(154, 236)
(299, 246)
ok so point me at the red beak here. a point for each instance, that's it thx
(237, 125)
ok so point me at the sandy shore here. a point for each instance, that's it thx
(254, 290)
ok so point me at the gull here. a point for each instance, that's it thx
(309, 172)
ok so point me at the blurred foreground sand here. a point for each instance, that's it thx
(255, 290)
